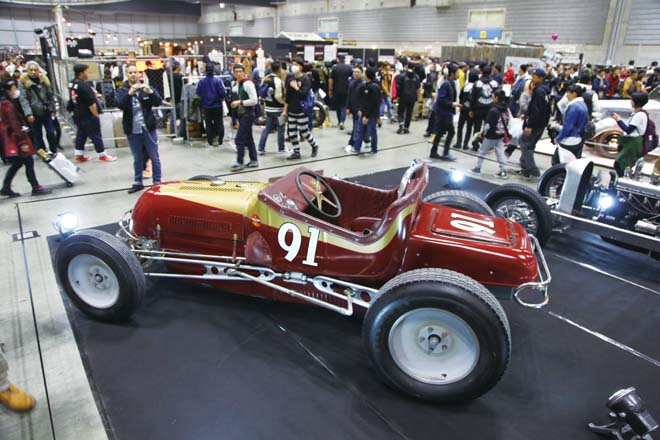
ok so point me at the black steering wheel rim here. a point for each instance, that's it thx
(333, 197)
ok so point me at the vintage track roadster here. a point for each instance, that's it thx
(423, 273)
(623, 210)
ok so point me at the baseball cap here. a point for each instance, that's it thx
(486, 70)
(539, 72)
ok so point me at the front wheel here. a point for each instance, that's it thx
(437, 335)
(522, 205)
(100, 275)
(552, 181)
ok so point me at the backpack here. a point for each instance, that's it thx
(502, 128)
(267, 84)
(518, 88)
(650, 140)
(307, 104)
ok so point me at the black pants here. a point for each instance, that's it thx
(214, 125)
(89, 128)
(442, 126)
(479, 117)
(575, 149)
(244, 138)
(430, 126)
(16, 164)
(464, 120)
(40, 123)
(405, 113)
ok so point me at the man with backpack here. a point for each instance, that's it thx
(299, 105)
(407, 85)
(481, 100)
(211, 91)
(272, 92)
(495, 134)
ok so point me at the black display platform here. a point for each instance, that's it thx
(197, 363)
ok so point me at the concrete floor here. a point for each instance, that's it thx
(100, 197)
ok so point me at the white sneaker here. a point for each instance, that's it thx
(220, 145)
(349, 149)
(209, 146)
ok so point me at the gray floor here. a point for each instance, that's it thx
(99, 198)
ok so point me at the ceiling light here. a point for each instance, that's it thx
(212, 40)
(222, 5)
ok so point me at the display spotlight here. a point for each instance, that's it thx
(65, 224)
(629, 415)
(605, 202)
(455, 179)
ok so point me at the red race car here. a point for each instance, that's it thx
(424, 272)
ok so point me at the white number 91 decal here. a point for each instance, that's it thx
(293, 247)
(471, 224)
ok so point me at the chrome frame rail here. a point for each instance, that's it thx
(542, 284)
(226, 269)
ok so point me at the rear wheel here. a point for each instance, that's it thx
(100, 275)
(608, 144)
(552, 181)
(202, 177)
(437, 335)
(462, 200)
(523, 205)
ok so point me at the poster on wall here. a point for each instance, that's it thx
(531, 62)
(329, 52)
(309, 53)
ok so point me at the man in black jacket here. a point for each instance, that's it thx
(481, 100)
(407, 85)
(137, 100)
(338, 88)
(355, 89)
(536, 120)
(369, 112)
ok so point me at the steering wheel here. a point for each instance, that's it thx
(315, 187)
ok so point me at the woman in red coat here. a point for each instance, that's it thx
(509, 75)
(16, 145)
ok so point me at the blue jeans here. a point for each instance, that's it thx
(340, 102)
(244, 137)
(386, 103)
(272, 121)
(145, 141)
(357, 124)
(91, 128)
(365, 132)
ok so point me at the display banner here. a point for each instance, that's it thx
(532, 62)
(309, 53)
(329, 52)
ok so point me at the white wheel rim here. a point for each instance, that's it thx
(93, 281)
(433, 346)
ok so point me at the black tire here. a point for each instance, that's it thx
(202, 177)
(552, 178)
(319, 114)
(462, 200)
(119, 261)
(514, 191)
(444, 292)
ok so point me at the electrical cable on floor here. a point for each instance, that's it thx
(34, 317)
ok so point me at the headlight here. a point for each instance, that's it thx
(65, 224)
(456, 176)
(605, 202)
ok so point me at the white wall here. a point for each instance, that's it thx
(17, 26)
(393, 23)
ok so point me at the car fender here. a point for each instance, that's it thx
(576, 185)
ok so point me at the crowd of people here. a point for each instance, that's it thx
(478, 104)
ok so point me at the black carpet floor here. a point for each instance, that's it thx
(196, 363)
